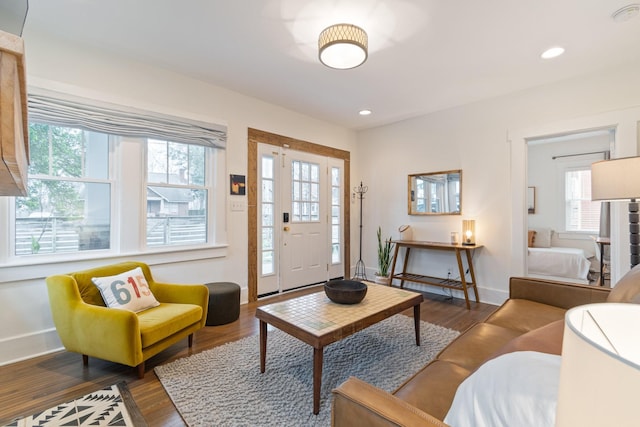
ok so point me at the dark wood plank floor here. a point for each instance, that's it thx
(40, 383)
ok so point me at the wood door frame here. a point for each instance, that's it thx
(256, 137)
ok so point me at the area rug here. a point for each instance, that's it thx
(111, 406)
(224, 387)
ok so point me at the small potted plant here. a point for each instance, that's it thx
(384, 259)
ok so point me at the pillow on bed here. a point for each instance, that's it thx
(515, 389)
(543, 238)
(531, 238)
(628, 288)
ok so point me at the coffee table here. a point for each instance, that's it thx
(316, 320)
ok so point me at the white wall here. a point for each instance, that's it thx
(487, 141)
(26, 328)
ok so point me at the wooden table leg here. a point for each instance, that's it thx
(473, 274)
(317, 378)
(263, 345)
(463, 278)
(393, 264)
(416, 322)
(404, 265)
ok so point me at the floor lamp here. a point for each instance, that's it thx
(619, 179)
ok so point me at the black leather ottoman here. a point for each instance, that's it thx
(224, 303)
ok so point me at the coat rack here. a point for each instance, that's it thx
(360, 267)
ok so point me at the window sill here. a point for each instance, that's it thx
(39, 267)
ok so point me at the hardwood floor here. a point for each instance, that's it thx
(40, 383)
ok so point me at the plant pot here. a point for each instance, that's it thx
(382, 280)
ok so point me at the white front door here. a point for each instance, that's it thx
(300, 219)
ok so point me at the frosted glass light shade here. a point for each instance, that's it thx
(600, 369)
(343, 46)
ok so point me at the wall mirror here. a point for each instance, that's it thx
(435, 193)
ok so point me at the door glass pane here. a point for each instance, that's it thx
(305, 191)
(336, 207)
(267, 249)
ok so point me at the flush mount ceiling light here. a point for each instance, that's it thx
(552, 53)
(626, 13)
(343, 46)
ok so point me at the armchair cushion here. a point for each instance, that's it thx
(159, 322)
(126, 291)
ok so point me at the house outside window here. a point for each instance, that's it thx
(176, 194)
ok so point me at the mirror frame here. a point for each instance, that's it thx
(410, 188)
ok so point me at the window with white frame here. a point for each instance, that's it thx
(68, 205)
(176, 194)
(581, 214)
(79, 197)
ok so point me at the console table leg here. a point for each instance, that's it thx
(404, 265)
(416, 322)
(473, 275)
(263, 345)
(317, 378)
(463, 279)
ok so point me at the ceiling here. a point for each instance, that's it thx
(424, 55)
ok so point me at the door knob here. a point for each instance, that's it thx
(286, 229)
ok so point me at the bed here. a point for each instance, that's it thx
(559, 263)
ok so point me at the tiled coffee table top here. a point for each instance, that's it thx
(318, 315)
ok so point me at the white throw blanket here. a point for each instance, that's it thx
(515, 389)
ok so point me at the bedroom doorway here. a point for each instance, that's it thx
(563, 225)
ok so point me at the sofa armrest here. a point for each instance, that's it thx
(357, 403)
(106, 333)
(558, 294)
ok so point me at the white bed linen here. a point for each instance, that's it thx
(515, 389)
(558, 261)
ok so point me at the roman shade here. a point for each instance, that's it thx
(125, 121)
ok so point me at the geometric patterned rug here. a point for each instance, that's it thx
(111, 406)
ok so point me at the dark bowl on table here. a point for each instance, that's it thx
(345, 291)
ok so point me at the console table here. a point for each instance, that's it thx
(462, 284)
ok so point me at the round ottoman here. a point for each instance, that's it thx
(224, 303)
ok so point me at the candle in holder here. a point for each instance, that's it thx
(469, 232)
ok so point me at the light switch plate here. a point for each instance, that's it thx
(237, 205)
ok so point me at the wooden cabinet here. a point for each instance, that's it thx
(14, 130)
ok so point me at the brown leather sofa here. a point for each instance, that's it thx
(532, 318)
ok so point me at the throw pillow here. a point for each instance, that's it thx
(126, 291)
(628, 288)
(543, 238)
(531, 238)
(546, 339)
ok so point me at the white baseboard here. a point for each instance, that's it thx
(27, 346)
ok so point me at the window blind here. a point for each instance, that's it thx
(124, 121)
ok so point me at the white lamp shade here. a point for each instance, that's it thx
(617, 179)
(600, 369)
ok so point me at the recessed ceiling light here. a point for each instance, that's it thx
(552, 53)
(626, 13)
(364, 112)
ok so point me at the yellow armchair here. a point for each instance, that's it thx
(86, 326)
